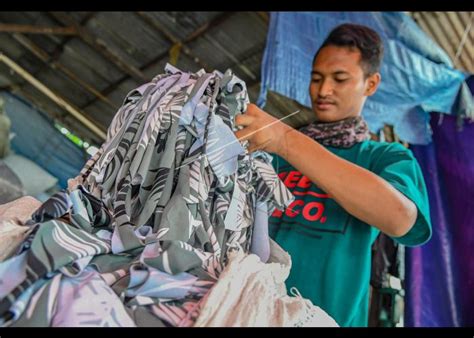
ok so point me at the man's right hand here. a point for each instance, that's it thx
(263, 131)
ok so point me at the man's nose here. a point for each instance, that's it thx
(325, 88)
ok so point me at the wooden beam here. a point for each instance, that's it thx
(56, 53)
(193, 36)
(79, 115)
(43, 56)
(15, 28)
(101, 47)
(58, 50)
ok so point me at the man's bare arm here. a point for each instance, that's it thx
(360, 192)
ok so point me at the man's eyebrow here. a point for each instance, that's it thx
(338, 72)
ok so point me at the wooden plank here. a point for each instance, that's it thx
(79, 115)
(55, 65)
(101, 47)
(60, 47)
(30, 29)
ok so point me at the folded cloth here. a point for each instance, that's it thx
(19, 210)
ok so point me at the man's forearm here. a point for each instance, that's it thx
(359, 191)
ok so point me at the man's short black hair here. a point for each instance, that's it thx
(365, 39)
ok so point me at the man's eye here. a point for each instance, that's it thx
(341, 80)
(315, 80)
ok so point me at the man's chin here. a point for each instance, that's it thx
(330, 115)
(326, 117)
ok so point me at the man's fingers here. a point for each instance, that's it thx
(251, 109)
(244, 120)
(243, 134)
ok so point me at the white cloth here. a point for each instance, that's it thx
(251, 293)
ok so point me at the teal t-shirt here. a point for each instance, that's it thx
(330, 249)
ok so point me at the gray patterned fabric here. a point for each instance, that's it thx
(147, 229)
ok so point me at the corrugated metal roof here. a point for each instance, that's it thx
(454, 32)
(128, 36)
(141, 41)
(182, 24)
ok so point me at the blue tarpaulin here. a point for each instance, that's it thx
(37, 139)
(417, 75)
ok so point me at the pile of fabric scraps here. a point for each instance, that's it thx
(144, 232)
(166, 225)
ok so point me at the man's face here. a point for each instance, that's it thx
(338, 87)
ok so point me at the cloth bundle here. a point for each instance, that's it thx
(251, 293)
(143, 233)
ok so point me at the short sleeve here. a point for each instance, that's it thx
(399, 167)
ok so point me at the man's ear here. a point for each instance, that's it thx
(372, 83)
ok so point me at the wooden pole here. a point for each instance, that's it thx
(56, 98)
(15, 28)
(43, 56)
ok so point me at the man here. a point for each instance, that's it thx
(347, 187)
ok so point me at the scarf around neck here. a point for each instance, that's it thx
(340, 134)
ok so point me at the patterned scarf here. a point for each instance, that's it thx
(340, 134)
